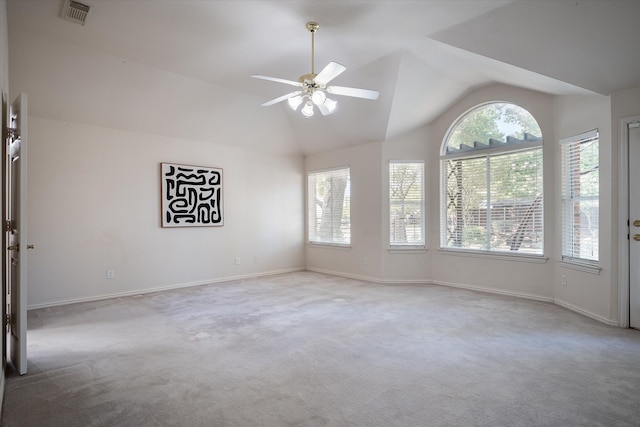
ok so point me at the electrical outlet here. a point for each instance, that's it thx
(256, 259)
(563, 280)
(237, 260)
(365, 261)
(111, 273)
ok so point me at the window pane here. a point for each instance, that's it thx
(466, 199)
(516, 202)
(493, 125)
(329, 206)
(492, 192)
(580, 197)
(406, 203)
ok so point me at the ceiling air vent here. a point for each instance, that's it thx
(74, 11)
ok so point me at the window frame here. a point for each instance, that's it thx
(568, 201)
(312, 237)
(488, 153)
(407, 246)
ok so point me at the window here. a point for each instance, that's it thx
(580, 197)
(491, 182)
(329, 206)
(406, 203)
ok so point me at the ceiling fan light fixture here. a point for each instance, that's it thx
(295, 102)
(330, 104)
(307, 110)
(313, 88)
(318, 97)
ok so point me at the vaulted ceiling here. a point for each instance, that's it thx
(181, 68)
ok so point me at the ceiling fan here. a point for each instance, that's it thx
(313, 88)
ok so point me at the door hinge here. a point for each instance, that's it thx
(6, 321)
(8, 225)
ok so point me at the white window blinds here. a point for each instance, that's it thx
(494, 202)
(406, 203)
(580, 197)
(329, 206)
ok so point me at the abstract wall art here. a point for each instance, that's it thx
(191, 196)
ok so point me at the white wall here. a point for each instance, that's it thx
(522, 277)
(365, 168)
(411, 266)
(592, 294)
(94, 203)
(625, 105)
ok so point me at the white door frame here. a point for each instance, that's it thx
(623, 225)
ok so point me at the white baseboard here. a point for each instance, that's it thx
(323, 271)
(346, 275)
(370, 278)
(494, 291)
(164, 288)
(585, 312)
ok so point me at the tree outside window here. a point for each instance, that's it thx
(329, 205)
(406, 203)
(580, 197)
(491, 167)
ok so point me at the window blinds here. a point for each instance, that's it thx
(580, 197)
(494, 202)
(406, 203)
(329, 206)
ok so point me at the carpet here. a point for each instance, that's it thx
(308, 349)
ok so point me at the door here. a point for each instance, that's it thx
(16, 232)
(634, 225)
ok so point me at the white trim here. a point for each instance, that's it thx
(623, 217)
(461, 117)
(164, 288)
(611, 322)
(493, 291)
(492, 152)
(326, 245)
(580, 266)
(586, 135)
(335, 168)
(406, 282)
(537, 259)
(406, 249)
(371, 279)
(482, 289)
(346, 275)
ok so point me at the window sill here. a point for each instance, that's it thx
(580, 266)
(406, 249)
(538, 259)
(329, 245)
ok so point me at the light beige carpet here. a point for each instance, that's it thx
(306, 349)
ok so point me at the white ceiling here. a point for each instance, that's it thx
(181, 68)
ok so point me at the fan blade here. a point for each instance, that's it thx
(352, 91)
(281, 98)
(330, 72)
(276, 79)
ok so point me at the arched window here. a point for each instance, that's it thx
(491, 182)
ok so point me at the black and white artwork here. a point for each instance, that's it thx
(191, 196)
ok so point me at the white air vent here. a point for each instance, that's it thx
(74, 11)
